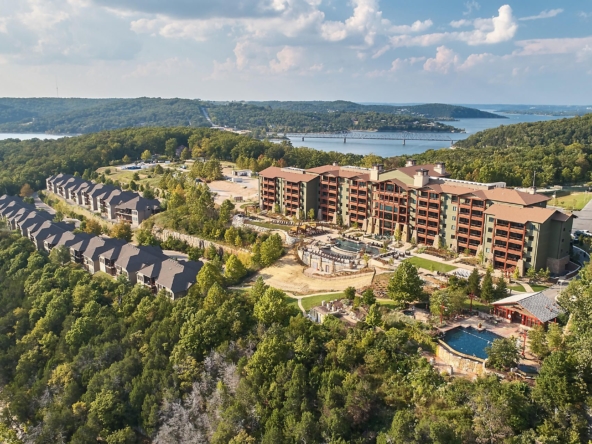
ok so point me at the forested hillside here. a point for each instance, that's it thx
(85, 358)
(81, 116)
(436, 111)
(245, 116)
(563, 131)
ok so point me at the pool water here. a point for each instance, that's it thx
(355, 247)
(470, 341)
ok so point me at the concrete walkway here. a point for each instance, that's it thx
(527, 287)
(584, 218)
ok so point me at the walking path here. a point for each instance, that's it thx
(584, 218)
(527, 287)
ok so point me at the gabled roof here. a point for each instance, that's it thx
(139, 203)
(45, 230)
(507, 195)
(337, 171)
(520, 215)
(132, 258)
(411, 170)
(173, 275)
(99, 246)
(99, 190)
(538, 304)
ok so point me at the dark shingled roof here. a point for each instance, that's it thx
(538, 304)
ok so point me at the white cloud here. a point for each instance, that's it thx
(417, 26)
(584, 15)
(460, 23)
(445, 60)
(286, 59)
(486, 31)
(160, 68)
(552, 46)
(475, 59)
(543, 15)
(366, 21)
(471, 5)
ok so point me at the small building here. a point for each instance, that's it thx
(318, 314)
(528, 309)
(238, 198)
(242, 173)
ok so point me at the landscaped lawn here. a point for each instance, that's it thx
(431, 265)
(314, 301)
(573, 201)
(480, 306)
(517, 287)
(292, 302)
(271, 226)
(537, 287)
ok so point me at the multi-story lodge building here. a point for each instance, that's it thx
(109, 201)
(507, 227)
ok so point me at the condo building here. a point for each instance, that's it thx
(507, 228)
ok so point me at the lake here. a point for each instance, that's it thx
(389, 148)
(4, 136)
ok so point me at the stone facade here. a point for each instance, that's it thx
(460, 361)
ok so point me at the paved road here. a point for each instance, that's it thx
(584, 219)
(39, 204)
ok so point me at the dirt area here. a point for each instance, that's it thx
(247, 188)
(287, 274)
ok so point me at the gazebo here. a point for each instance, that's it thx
(528, 309)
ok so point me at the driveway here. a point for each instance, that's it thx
(42, 206)
(584, 218)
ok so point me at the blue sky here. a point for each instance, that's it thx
(536, 52)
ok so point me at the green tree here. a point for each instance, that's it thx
(272, 308)
(170, 147)
(538, 342)
(374, 317)
(126, 159)
(121, 230)
(60, 255)
(208, 276)
(185, 154)
(350, 293)
(405, 285)
(26, 191)
(501, 289)
(271, 250)
(91, 226)
(148, 192)
(145, 237)
(555, 337)
(136, 176)
(234, 270)
(473, 285)
(311, 214)
(368, 297)
(146, 155)
(503, 354)
(487, 290)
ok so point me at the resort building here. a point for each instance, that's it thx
(145, 265)
(508, 228)
(111, 202)
(527, 309)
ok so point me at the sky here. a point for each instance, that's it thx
(391, 51)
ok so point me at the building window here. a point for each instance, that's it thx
(487, 250)
(454, 208)
(453, 217)
(491, 219)
(453, 227)
(489, 239)
(453, 237)
(490, 230)
(530, 238)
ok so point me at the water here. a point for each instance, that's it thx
(355, 247)
(389, 148)
(470, 341)
(4, 136)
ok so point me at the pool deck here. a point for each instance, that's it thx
(503, 329)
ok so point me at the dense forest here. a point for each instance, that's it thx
(436, 111)
(245, 116)
(86, 358)
(82, 116)
(562, 131)
(563, 156)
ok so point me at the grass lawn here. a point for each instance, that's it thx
(313, 301)
(430, 265)
(536, 287)
(517, 287)
(480, 306)
(292, 302)
(573, 201)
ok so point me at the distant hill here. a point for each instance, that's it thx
(563, 131)
(437, 111)
(77, 116)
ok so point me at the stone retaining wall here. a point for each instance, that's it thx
(459, 361)
(162, 234)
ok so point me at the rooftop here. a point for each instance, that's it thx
(541, 306)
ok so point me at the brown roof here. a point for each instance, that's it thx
(339, 172)
(449, 189)
(561, 217)
(520, 215)
(410, 171)
(273, 172)
(512, 196)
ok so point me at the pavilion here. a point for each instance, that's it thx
(528, 309)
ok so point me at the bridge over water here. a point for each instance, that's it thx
(404, 136)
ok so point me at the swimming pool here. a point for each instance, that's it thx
(355, 247)
(470, 341)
